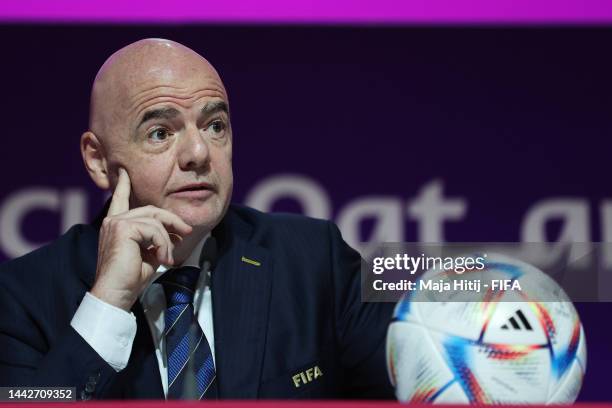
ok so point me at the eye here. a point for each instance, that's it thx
(217, 126)
(159, 134)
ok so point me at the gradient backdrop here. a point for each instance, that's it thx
(396, 133)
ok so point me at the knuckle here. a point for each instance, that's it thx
(157, 216)
(158, 224)
(111, 223)
(120, 223)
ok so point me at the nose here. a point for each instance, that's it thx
(193, 151)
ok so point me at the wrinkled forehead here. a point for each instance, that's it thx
(169, 84)
(181, 77)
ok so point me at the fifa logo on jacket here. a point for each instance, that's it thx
(306, 376)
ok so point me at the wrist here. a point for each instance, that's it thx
(121, 299)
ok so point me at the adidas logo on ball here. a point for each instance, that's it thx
(517, 322)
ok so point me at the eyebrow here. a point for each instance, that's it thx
(162, 113)
(169, 113)
(214, 107)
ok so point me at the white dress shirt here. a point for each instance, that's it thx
(110, 331)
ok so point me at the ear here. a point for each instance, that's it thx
(95, 160)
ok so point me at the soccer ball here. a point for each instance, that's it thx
(494, 351)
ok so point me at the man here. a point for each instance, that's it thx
(120, 309)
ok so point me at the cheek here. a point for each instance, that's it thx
(148, 183)
(224, 169)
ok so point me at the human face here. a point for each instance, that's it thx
(177, 146)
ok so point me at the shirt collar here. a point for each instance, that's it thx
(192, 260)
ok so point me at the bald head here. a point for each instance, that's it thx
(159, 111)
(127, 78)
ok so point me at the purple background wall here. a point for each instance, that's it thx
(503, 121)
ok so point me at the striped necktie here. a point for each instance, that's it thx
(179, 287)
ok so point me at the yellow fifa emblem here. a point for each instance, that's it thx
(306, 376)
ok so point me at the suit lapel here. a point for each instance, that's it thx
(240, 294)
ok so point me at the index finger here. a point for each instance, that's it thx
(120, 202)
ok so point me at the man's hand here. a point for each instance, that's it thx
(132, 245)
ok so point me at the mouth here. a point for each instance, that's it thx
(195, 191)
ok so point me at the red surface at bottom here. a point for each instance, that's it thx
(250, 404)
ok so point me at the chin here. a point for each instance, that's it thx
(201, 217)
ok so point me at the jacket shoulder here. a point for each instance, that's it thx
(281, 223)
(48, 260)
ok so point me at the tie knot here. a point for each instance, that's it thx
(179, 284)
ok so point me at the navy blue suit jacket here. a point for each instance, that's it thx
(299, 309)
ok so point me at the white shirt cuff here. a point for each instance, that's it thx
(109, 330)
